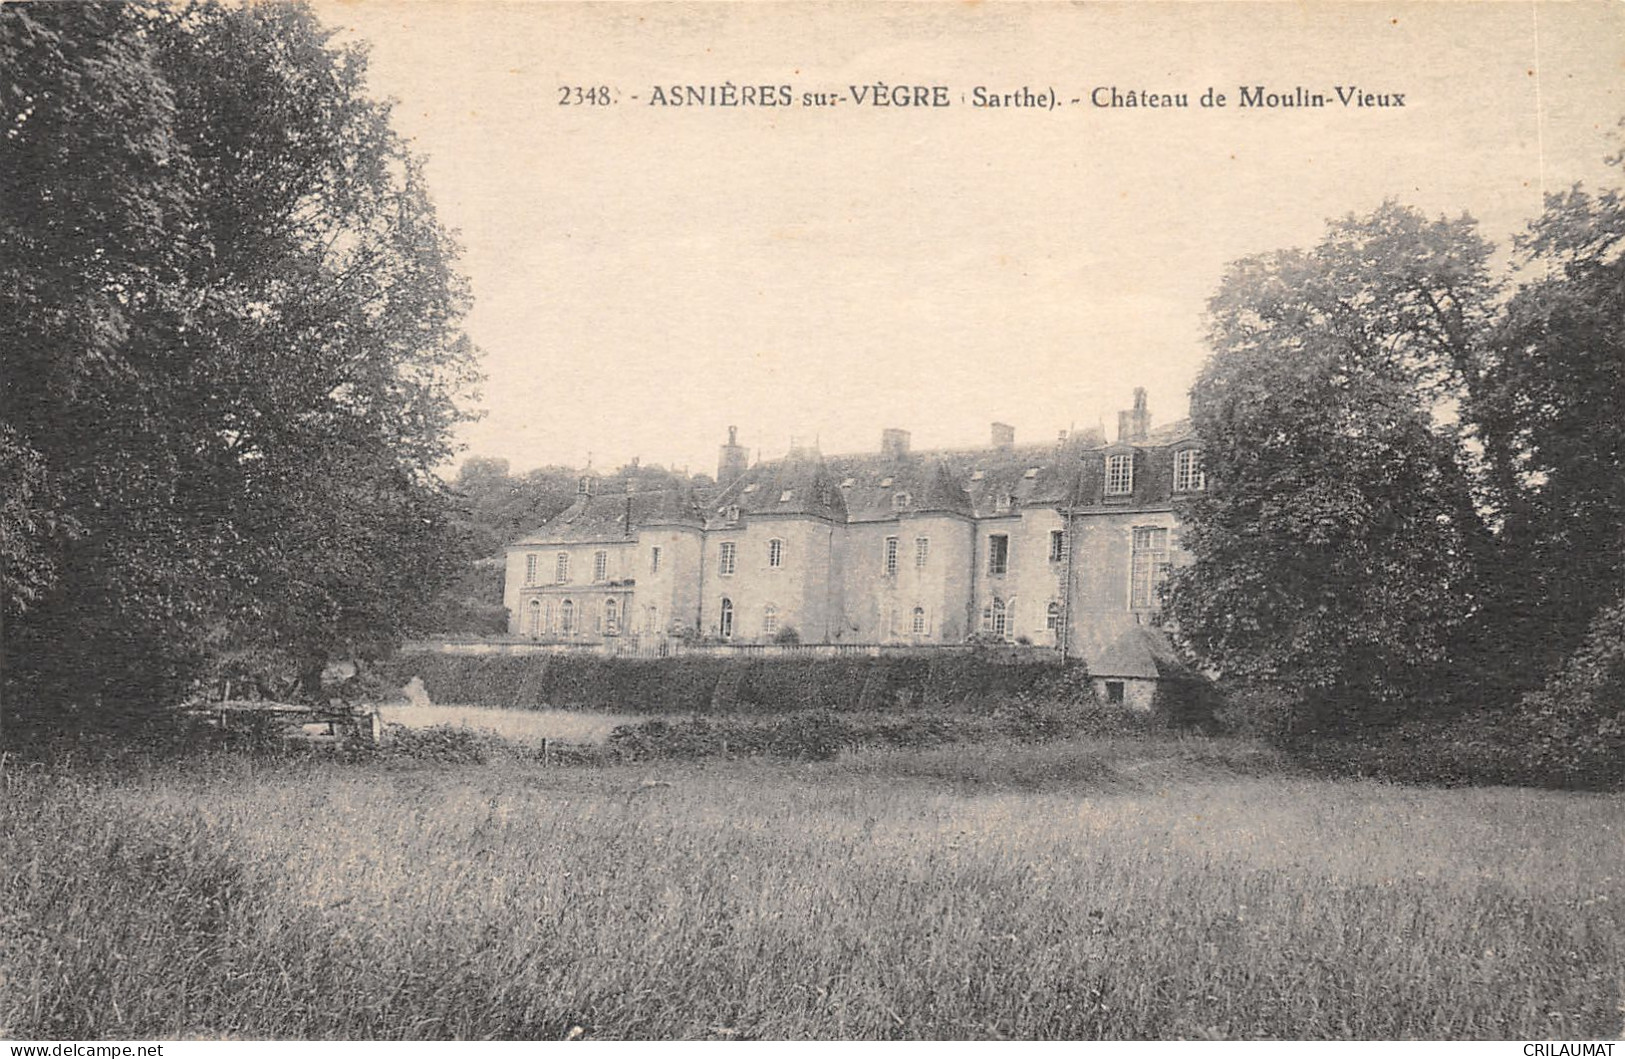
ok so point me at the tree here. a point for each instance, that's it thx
(234, 354)
(94, 228)
(1556, 387)
(1334, 551)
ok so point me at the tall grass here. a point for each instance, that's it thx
(1128, 889)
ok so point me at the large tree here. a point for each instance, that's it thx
(233, 348)
(1556, 392)
(1334, 549)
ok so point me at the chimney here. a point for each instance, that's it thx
(1142, 416)
(893, 443)
(1004, 435)
(1135, 425)
(732, 459)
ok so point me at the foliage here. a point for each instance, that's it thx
(233, 350)
(1333, 545)
(1556, 385)
(1573, 729)
(700, 684)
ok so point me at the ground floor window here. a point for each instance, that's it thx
(533, 623)
(919, 621)
(726, 625)
(770, 620)
(996, 618)
(568, 620)
(612, 617)
(1052, 617)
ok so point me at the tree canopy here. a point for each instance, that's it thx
(1416, 467)
(232, 330)
(1331, 547)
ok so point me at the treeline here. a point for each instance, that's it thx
(1415, 512)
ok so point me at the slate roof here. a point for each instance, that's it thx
(980, 482)
(1121, 648)
(871, 487)
(800, 484)
(611, 513)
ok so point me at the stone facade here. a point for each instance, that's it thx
(1059, 545)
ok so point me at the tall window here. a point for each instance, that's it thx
(891, 556)
(568, 619)
(600, 566)
(996, 618)
(919, 621)
(1052, 616)
(533, 623)
(612, 617)
(549, 620)
(1188, 475)
(651, 619)
(1149, 567)
(561, 568)
(654, 559)
(726, 625)
(922, 550)
(775, 552)
(770, 620)
(725, 559)
(998, 553)
(530, 568)
(1120, 474)
(1057, 545)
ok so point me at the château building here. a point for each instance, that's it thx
(1062, 544)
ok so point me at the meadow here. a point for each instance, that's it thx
(1148, 887)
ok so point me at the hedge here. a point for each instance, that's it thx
(708, 685)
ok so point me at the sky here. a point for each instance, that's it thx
(645, 276)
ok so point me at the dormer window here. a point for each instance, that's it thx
(900, 501)
(733, 513)
(976, 476)
(885, 483)
(1001, 504)
(1120, 474)
(751, 488)
(1188, 474)
(786, 496)
(584, 485)
(1032, 472)
(847, 483)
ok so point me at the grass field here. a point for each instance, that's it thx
(1080, 889)
(520, 726)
